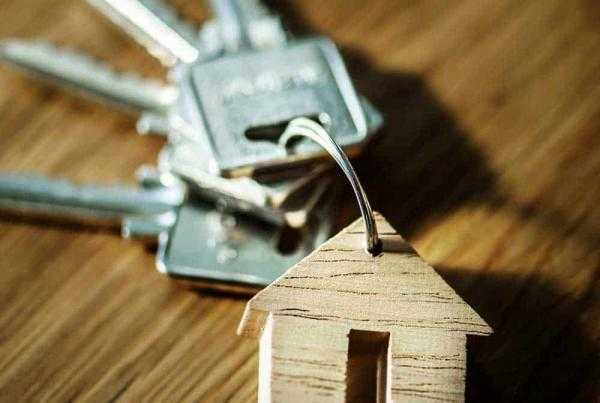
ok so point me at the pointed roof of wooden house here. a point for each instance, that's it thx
(342, 282)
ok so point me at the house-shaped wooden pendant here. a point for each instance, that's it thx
(345, 326)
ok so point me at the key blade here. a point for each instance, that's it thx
(87, 76)
(23, 194)
(155, 26)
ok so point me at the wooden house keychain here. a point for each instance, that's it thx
(353, 325)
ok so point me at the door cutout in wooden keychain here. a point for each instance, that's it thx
(347, 324)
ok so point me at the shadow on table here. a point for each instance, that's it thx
(539, 351)
(422, 166)
(421, 163)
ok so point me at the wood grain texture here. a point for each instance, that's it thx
(489, 164)
(306, 321)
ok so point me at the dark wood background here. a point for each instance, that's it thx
(489, 164)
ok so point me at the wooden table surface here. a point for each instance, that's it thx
(489, 164)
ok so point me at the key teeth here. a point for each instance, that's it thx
(172, 18)
(33, 53)
(145, 20)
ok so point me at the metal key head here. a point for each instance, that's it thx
(214, 249)
(238, 104)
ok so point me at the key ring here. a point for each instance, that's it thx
(304, 127)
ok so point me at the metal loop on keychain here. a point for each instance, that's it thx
(304, 127)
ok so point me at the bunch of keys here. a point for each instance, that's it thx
(225, 196)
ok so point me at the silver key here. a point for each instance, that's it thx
(197, 243)
(154, 25)
(146, 18)
(85, 75)
(93, 79)
(233, 107)
(140, 211)
(228, 103)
